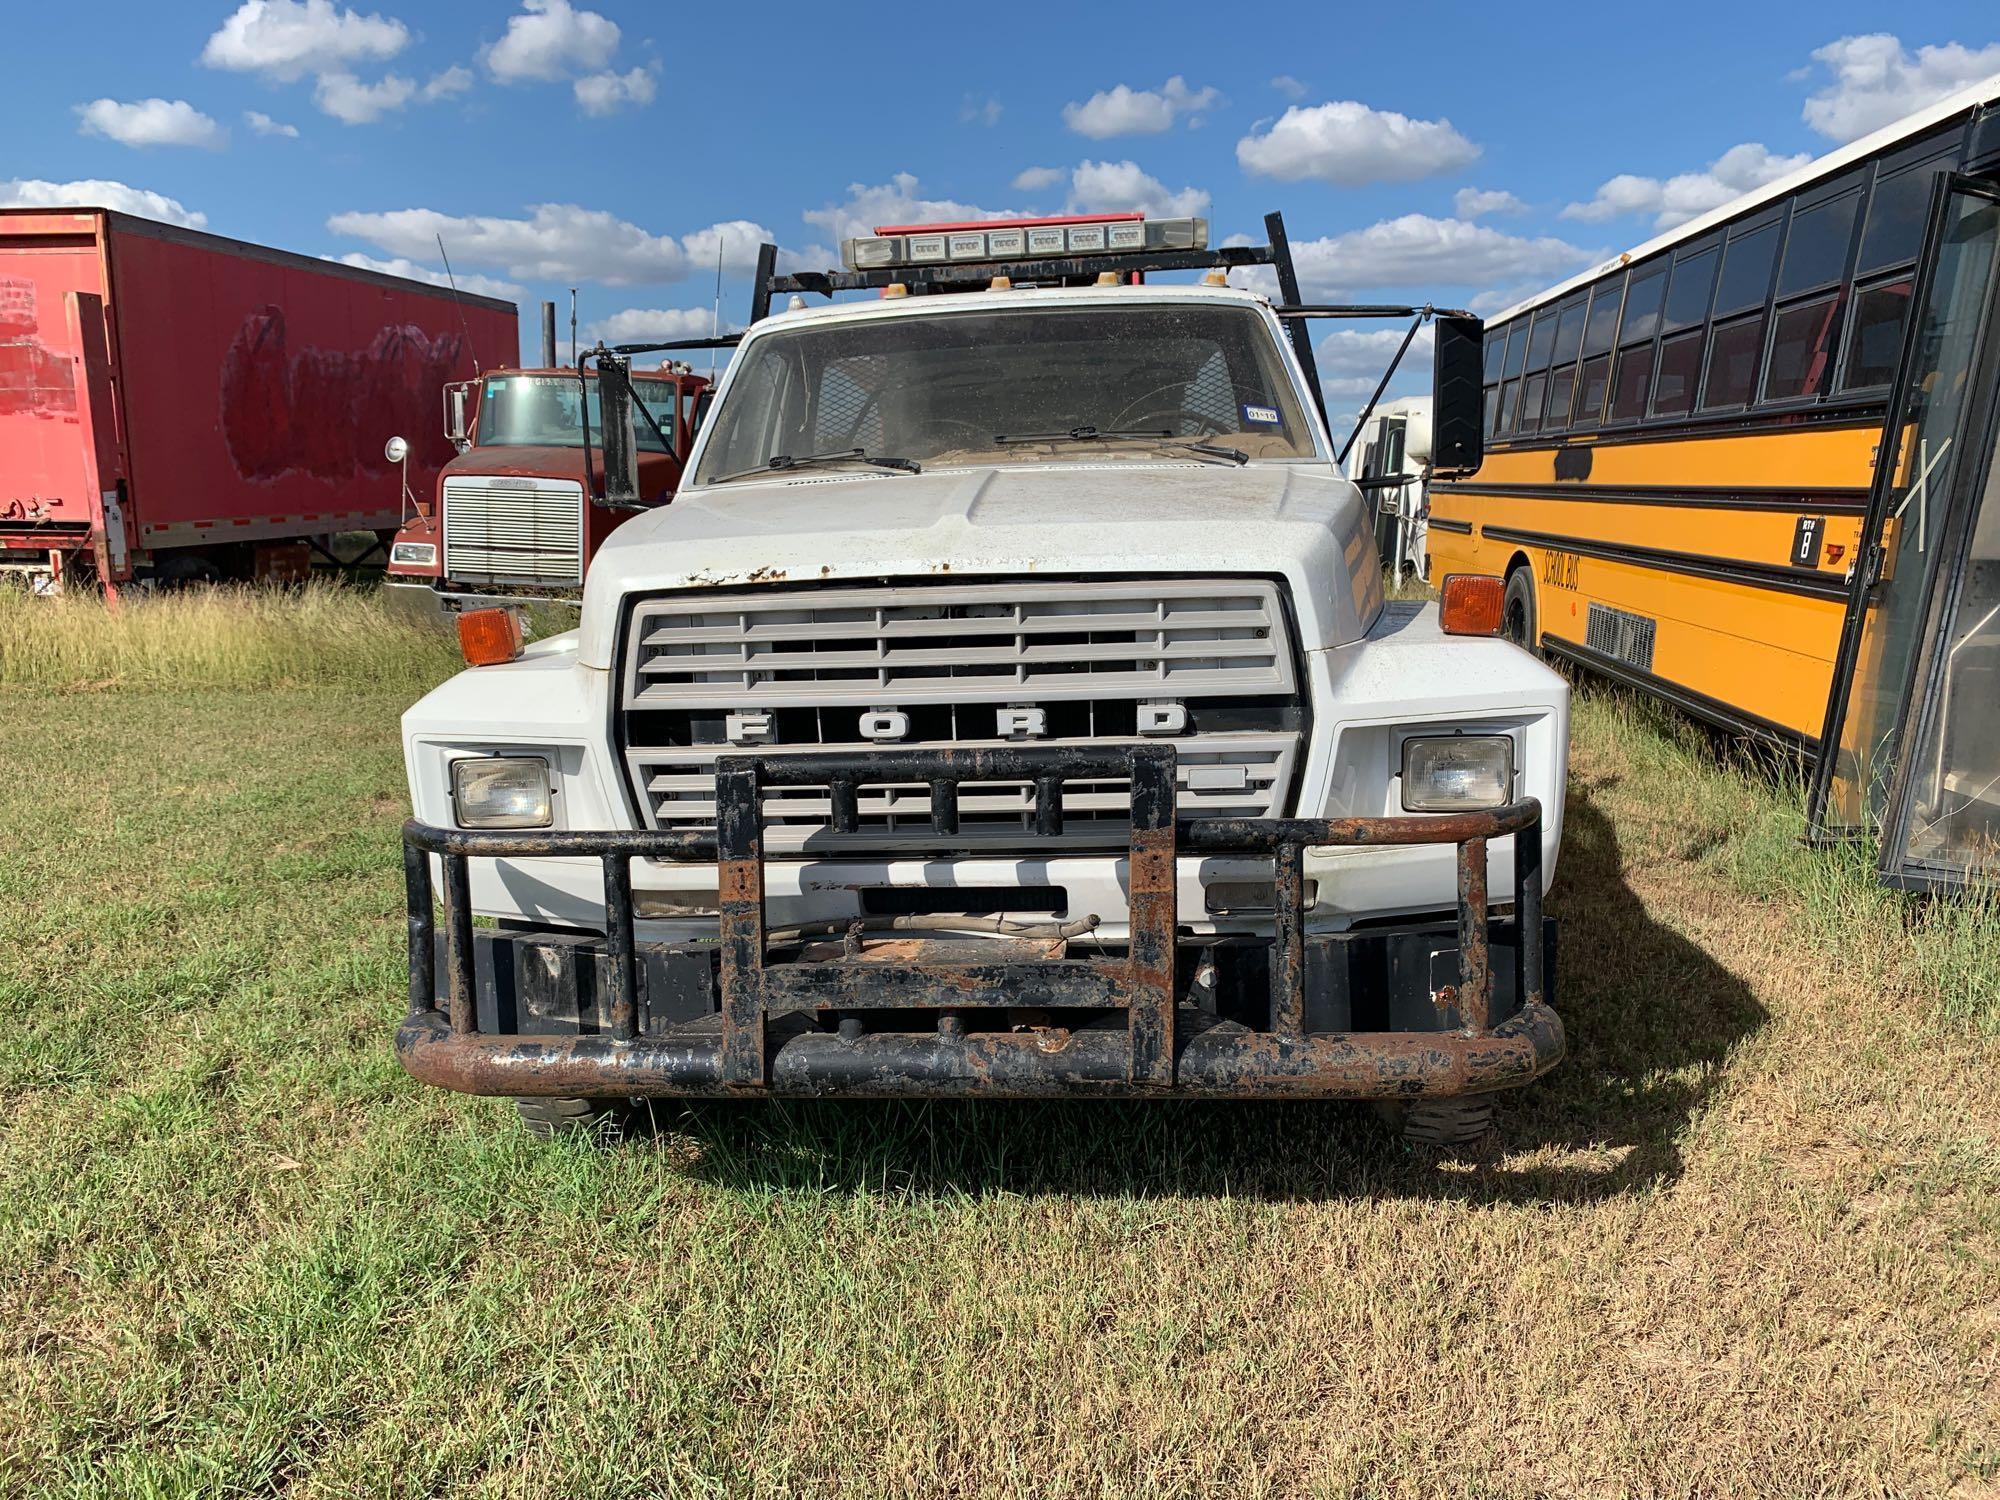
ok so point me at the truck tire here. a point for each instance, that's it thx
(1441, 1123)
(1517, 611)
(548, 1119)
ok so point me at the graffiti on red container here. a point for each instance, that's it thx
(35, 380)
(327, 412)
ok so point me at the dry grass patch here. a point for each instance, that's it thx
(1746, 1240)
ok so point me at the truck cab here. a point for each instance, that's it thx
(1007, 704)
(520, 511)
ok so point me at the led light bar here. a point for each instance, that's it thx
(1019, 240)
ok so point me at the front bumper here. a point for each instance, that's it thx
(1422, 1010)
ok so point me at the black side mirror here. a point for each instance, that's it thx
(1458, 440)
(620, 440)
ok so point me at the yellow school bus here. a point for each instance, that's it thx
(1690, 482)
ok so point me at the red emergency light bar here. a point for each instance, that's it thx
(969, 225)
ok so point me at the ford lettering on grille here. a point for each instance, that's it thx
(1207, 663)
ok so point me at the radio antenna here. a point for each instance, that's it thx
(572, 328)
(715, 315)
(458, 302)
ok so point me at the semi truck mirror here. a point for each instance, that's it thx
(454, 416)
(621, 446)
(1457, 427)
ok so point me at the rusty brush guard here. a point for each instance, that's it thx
(803, 1026)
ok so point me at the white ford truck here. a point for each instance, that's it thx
(1007, 704)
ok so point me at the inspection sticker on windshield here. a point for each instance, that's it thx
(495, 387)
(1260, 416)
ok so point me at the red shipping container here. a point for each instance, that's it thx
(166, 393)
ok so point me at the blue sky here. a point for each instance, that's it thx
(612, 146)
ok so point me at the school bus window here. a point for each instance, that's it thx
(1746, 271)
(1492, 408)
(1562, 385)
(1510, 404)
(1642, 306)
(1569, 333)
(1801, 343)
(1517, 347)
(1542, 340)
(1687, 295)
(1532, 393)
(1680, 368)
(1590, 399)
(1496, 346)
(1816, 247)
(1875, 342)
(1601, 329)
(1635, 375)
(1732, 363)
(1896, 217)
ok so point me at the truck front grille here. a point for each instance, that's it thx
(949, 657)
(513, 530)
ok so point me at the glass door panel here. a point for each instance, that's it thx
(1925, 466)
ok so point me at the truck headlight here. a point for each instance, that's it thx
(1457, 772)
(415, 554)
(501, 791)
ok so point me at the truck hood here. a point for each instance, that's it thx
(1145, 519)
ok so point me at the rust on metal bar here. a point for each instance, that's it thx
(1475, 993)
(739, 819)
(1242, 835)
(1153, 913)
(1288, 940)
(461, 993)
(1223, 1061)
(1049, 806)
(845, 796)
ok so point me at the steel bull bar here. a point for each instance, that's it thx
(796, 1025)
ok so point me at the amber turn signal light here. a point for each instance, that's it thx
(1472, 604)
(488, 637)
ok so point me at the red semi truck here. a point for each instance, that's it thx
(520, 511)
(179, 406)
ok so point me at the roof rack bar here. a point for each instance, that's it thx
(1288, 288)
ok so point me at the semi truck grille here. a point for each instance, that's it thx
(1206, 665)
(513, 530)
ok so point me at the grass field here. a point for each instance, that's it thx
(1745, 1240)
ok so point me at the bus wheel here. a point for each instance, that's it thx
(1517, 610)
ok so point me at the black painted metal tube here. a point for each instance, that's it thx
(462, 990)
(621, 970)
(422, 925)
(1528, 915)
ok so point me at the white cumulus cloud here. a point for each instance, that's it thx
(557, 242)
(1352, 360)
(1348, 144)
(552, 39)
(353, 102)
(1675, 200)
(1289, 86)
(468, 281)
(263, 124)
(287, 39)
(1098, 187)
(1039, 179)
(1124, 110)
(1477, 203)
(452, 82)
(34, 192)
(645, 325)
(1421, 252)
(1877, 80)
(608, 92)
(151, 122)
(897, 201)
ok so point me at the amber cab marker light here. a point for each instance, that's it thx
(1471, 604)
(488, 637)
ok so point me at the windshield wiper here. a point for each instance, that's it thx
(1084, 434)
(1161, 436)
(779, 463)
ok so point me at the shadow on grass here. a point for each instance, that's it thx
(1650, 1016)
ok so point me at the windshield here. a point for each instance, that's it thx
(520, 410)
(947, 388)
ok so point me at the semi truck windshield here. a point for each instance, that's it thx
(547, 410)
(1013, 387)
